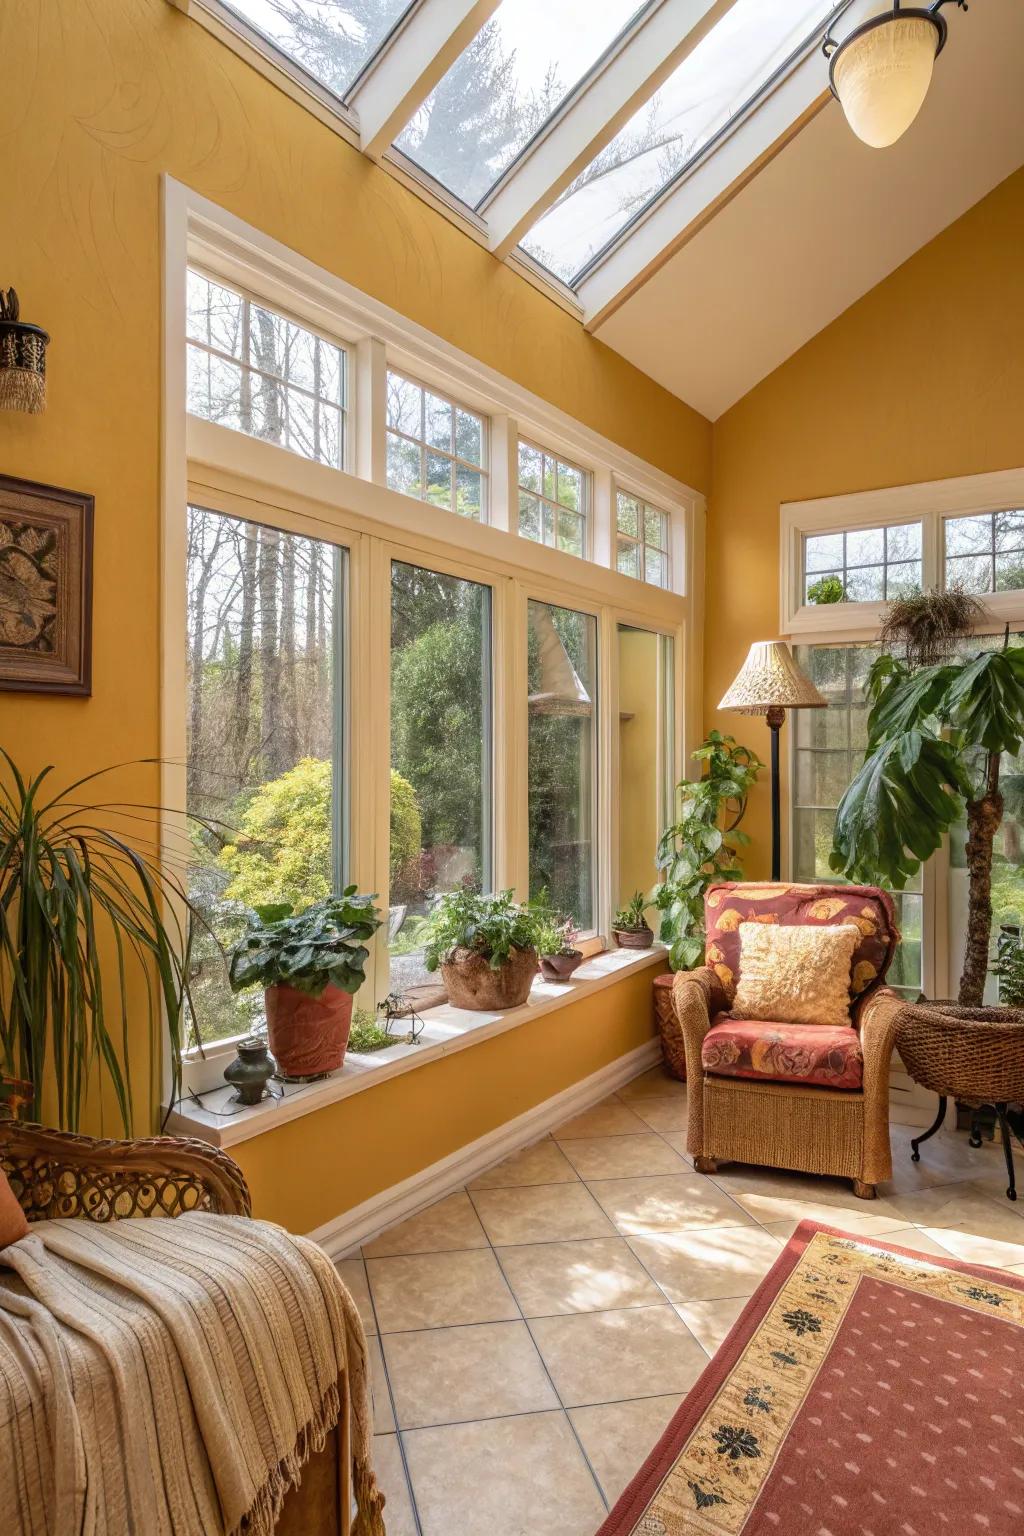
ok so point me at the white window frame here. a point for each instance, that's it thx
(224, 470)
(483, 469)
(586, 511)
(641, 541)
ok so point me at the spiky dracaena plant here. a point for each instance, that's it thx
(935, 738)
(81, 909)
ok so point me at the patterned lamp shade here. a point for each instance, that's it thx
(771, 679)
(22, 359)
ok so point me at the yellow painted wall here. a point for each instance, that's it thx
(921, 379)
(99, 98)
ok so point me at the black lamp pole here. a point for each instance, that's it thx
(775, 717)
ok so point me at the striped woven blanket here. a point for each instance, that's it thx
(171, 1378)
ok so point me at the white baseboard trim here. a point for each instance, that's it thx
(392, 1205)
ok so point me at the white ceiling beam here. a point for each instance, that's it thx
(687, 206)
(404, 72)
(628, 75)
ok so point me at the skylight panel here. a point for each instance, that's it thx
(503, 88)
(332, 40)
(719, 79)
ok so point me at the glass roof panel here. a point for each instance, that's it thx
(332, 40)
(502, 88)
(724, 73)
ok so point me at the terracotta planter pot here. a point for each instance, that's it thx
(560, 967)
(630, 938)
(472, 984)
(308, 1035)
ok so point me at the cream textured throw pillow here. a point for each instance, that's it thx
(795, 975)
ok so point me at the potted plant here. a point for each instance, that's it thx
(556, 945)
(310, 964)
(485, 946)
(630, 926)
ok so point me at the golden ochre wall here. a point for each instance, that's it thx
(99, 98)
(922, 379)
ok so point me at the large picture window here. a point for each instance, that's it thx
(562, 757)
(260, 373)
(265, 719)
(436, 448)
(440, 751)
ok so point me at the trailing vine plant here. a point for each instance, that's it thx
(702, 847)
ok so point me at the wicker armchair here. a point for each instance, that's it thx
(764, 1113)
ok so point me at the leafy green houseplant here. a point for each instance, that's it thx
(630, 926)
(485, 947)
(703, 846)
(936, 733)
(310, 965)
(87, 919)
(556, 944)
(1009, 967)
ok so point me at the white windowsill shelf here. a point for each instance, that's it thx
(447, 1030)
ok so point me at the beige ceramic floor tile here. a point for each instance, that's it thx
(452, 1375)
(597, 1357)
(591, 1276)
(612, 1118)
(756, 1188)
(946, 1157)
(449, 1224)
(621, 1157)
(658, 1083)
(542, 1163)
(507, 1477)
(781, 1218)
(440, 1290)
(910, 1237)
(353, 1277)
(677, 1141)
(663, 1114)
(543, 1213)
(969, 1208)
(671, 1203)
(710, 1321)
(383, 1415)
(618, 1437)
(387, 1463)
(708, 1265)
(974, 1249)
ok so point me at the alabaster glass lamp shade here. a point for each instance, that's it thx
(770, 679)
(882, 75)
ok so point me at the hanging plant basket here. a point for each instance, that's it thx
(22, 359)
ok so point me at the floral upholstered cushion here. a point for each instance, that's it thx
(783, 1053)
(863, 907)
(795, 975)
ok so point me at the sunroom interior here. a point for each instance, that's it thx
(512, 576)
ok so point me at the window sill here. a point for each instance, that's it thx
(447, 1030)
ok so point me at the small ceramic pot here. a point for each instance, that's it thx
(251, 1070)
(308, 1035)
(560, 967)
(634, 938)
(471, 983)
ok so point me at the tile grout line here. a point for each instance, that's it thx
(391, 1400)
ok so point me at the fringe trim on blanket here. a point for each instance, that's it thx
(262, 1516)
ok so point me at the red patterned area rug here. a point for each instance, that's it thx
(864, 1391)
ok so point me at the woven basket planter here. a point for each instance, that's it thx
(672, 1048)
(973, 1054)
(471, 983)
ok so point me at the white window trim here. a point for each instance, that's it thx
(222, 469)
(929, 503)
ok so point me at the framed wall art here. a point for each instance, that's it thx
(45, 588)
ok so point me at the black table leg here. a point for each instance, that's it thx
(936, 1123)
(1011, 1188)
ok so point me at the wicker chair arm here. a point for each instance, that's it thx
(878, 1019)
(58, 1174)
(696, 997)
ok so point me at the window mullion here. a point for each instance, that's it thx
(511, 860)
(602, 518)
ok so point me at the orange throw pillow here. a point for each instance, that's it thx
(12, 1218)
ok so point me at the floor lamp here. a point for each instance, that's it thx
(768, 683)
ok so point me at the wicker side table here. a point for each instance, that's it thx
(975, 1055)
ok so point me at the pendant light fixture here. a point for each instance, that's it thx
(880, 72)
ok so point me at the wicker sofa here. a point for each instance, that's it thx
(56, 1174)
(784, 1096)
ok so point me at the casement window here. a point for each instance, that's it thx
(985, 552)
(641, 540)
(265, 731)
(257, 371)
(554, 500)
(436, 448)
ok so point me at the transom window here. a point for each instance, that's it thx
(641, 541)
(865, 565)
(436, 448)
(554, 500)
(260, 373)
(985, 553)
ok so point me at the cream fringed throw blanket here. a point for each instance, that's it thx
(170, 1378)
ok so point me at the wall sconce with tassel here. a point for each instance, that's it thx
(22, 359)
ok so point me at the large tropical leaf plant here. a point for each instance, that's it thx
(936, 734)
(89, 921)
